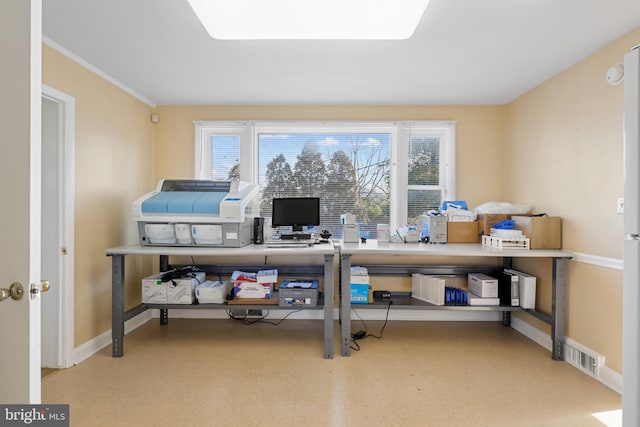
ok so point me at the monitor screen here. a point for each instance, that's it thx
(296, 212)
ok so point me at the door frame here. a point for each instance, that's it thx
(66, 198)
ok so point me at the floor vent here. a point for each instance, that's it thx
(583, 358)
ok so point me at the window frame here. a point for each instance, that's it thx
(445, 132)
(399, 131)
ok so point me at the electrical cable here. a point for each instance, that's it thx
(248, 321)
(360, 335)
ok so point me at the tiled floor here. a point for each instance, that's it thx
(196, 372)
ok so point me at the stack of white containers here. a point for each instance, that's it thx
(428, 288)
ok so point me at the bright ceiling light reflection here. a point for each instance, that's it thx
(310, 19)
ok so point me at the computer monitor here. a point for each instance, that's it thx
(295, 212)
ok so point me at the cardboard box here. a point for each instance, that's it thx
(487, 221)
(252, 290)
(177, 291)
(544, 232)
(462, 232)
(182, 291)
(483, 285)
(154, 290)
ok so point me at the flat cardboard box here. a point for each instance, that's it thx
(360, 293)
(544, 232)
(462, 232)
(487, 221)
(252, 290)
(483, 285)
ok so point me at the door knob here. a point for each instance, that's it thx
(36, 288)
(15, 291)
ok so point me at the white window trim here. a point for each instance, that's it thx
(398, 152)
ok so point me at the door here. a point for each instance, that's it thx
(58, 122)
(20, 85)
(51, 322)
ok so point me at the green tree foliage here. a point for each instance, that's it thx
(342, 181)
(309, 172)
(355, 182)
(278, 177)
(234, 173)
(424, 161)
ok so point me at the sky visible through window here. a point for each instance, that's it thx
(225, 149)
(358, 147)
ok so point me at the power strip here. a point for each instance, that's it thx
(382, 295)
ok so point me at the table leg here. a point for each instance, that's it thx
(164, 266)
(558, 307)
(506, 318)
(345, 304)
(328, 306)
(117, 305)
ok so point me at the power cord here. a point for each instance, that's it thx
(250, 321)
(362, 334)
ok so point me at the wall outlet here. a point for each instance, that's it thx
(620, 205)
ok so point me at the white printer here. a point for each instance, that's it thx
(197, 213)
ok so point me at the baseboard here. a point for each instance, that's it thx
(608, 376)
(531, 332)
(91, 347)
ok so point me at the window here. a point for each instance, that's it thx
(429, 168)
(382, 172)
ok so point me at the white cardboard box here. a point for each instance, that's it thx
(155, 291)
(474, 299)
(483, 285)
(182, 291)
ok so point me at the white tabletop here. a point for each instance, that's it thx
(249, 250)
(373, 247)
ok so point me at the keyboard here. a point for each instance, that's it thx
(298, 243)
(296, 236)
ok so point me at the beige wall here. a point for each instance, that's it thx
(563, 152)
(113, 166)
(479, 134)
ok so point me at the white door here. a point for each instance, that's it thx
(51, 312)
(58, 140)
(20, 85)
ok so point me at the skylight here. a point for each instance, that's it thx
(310, 19)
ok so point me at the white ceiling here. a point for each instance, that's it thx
(463, 52)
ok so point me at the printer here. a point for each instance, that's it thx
(197, 213)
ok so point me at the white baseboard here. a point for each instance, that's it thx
(608, 376)
(91, 347)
